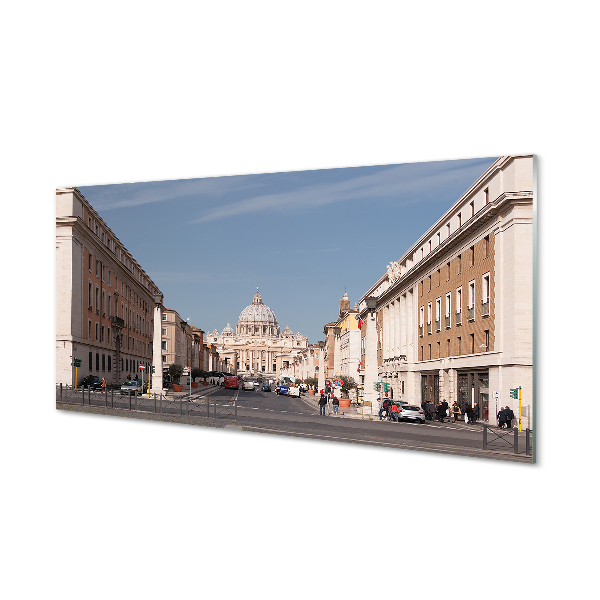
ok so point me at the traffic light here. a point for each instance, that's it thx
(77, 362)
(151, 368)
(514, 393)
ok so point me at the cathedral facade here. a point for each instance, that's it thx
(257, 346)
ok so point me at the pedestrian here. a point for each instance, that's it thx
(128, 377)
(475, 412)
(322, 404)
(382, 409)
(103, 382)
(501, 418)
(456, 411)
(442, 411)
(469, 413)
(509, 415)
(336, 405)
(394, 412)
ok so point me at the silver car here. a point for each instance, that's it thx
(407, 412)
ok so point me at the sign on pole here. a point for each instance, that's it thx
(142, 367)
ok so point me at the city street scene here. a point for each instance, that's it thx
(387, 305)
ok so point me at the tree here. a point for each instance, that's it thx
(348, 384)
(176, 371)
(196, 372)
(312, 381)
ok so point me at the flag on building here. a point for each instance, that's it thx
(359, 366)
(360, 322)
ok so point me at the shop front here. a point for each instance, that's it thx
(430, 388)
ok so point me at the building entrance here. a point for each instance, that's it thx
(473, 388)
(430, 388)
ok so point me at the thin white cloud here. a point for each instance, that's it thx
(403, 182)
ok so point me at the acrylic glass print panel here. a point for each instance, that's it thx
(388, 305)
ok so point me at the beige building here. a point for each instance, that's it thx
(104, 299)
(453, 318)
(257, 346)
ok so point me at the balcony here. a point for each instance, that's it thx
(458, 318)
(471, 313)
(485, 308)
(447, 321)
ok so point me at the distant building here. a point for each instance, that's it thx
(260, 347)
(452, 319)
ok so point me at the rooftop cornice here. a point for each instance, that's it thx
(476, 222)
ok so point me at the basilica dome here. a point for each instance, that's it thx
(259, 315)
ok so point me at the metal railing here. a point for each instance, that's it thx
(458, 318)
(447, 322)
(506, 437)
(471, 313)
(485, 309)
(153, 403)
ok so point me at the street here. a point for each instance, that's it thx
(266, 412)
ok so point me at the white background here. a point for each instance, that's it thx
(98, 507)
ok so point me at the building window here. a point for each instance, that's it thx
(109, 363)
(487, 340)
(90, 295)
(421, 320)
(485, 295)
(104, 362)
(472, 343)
(459, 264)
(486, 246)
(459, 306)
(487, 195)
(97, 331)
(109, 276)
(439, 238)
(459, 220)
(89, 329)
(429, 306)
(102, 334)
(164, 316)
(103, 272)
(472, 256)
(90, 262)
(97, 306)
(97, 362)
(472, 205)
(471, 301)
(438, 314)
(90, 361)
(447, 230)
(448, 266)
(97, 268)
(448, 306)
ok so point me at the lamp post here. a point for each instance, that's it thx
(321, 378)
(157, 375)
(370, 366)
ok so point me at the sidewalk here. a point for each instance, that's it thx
(197, 393)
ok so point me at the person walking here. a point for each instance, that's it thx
(456, 411)
(322, 404)
(469, 413)
(336, 405)
(394, 412)
(509, 416)
(475, 412)
(501, 418)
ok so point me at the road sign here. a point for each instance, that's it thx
(142, 367)
(338, 382)
(186, 370)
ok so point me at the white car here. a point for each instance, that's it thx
(248, 385)
(406, 412)
(294, 391)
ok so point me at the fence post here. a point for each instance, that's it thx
(485, 436)
(136, 395)
(516, 440)
(527, 442)
(105, 397)
(160, 403)
(90, 395)
(155, 402)
(208, 407)
(129, 394)
(215, 411)
(181, 406)
(112, 399)
(235, 406)
(61, 392)
(82, 395)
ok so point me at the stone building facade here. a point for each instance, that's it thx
(104, 299)
(452, 319)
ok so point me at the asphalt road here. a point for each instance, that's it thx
(267, 412)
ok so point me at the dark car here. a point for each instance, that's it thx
(282, 390)
(95, 383)
(266, 388)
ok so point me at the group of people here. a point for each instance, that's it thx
(436, 413)
(505, 416)
(388, 410)
(325, 398)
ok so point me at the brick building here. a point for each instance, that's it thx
(453, 318)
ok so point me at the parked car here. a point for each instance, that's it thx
(407, 412)
(92, 382)
(134, 386)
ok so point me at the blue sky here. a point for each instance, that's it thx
(300, 237)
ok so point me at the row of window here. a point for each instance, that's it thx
(105, 361)
(446, 271)
(485, 307)
(129, 342)
(466, 346)
(112, 246)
